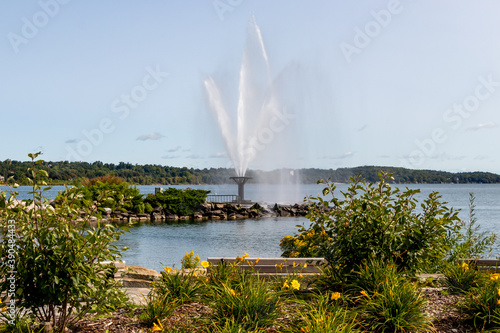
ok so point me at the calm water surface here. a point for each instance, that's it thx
(158, 245)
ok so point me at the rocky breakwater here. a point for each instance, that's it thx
(212, 211)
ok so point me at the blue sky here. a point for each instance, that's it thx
(398, 83)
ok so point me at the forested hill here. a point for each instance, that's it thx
(76, 172)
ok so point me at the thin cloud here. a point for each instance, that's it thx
(339, 157)
(152, 136)
(173, 150)
(170, 157)
(478, 127)
(71, 141)
(218, 155)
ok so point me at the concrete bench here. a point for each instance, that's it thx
(271, 266)
(490, 265)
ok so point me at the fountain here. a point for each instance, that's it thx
(257, 102)
(260, 112)
(241, 189)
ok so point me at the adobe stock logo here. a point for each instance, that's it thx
(453, 117)
(31, 27)
(122, 106)
(364, 37)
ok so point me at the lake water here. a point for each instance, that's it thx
(158, 245)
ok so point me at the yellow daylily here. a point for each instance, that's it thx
(158, 327)
(168, 269)
(465, 266)
(364, 293)
(204, 264)
(232, 292)
(286, 285)
(295, 284)
(4, 309)
(335, 296)
(257, 260)
(495, 276)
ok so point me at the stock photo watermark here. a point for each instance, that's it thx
(223, 6)
(31, 26)
(453, 117)
(11, 309)
(371, 30)
(122, 107)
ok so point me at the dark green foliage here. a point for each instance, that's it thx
(377, 221)
(462, 278)
(177, 201)
(482, 304)
(116, 195)
(76, 172)
(58, 261)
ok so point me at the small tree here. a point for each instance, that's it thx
(375, 221)
(55, 258)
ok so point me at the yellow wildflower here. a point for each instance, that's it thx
(465, 266)
(158, 327)
(364, 293)
(295, 284)
(335, 296)
(495, 276)
(204, 264)
(257, 260)
(279, 266)
(4, 309)
(286, 285)
(168, 269)
(245, 255)
(305, 265)
(232, 292)
(301, 276)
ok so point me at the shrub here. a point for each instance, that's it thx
(325, 314)
(106, 192)
(57, 258)
(250, 304)
(179, 286)
(482, 304)
(377, 221)
(178, 201)
(190, 260)
(395, 307)
(469, 242)
(461, 278)
(157, 308)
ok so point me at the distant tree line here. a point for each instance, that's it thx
(78, 172)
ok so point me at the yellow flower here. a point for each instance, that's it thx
(286, 285)
(465, 266)
(158, 327)
(279, 266)
(168, 269)
(245, 255)
(498, 301)
(305, 265)
(495, 276)
(295, 284)
(364, 293)
(335, 296)
(4, 309)
(204, 264)
(232, 292)
(257, 260)
(301, 276)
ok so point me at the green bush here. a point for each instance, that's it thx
(250, 304)
(325, 314)
(57, 260)
(396, 306)
(482, 304)
(106, 192)
(179, 286)
(178, 201)
(462, 278)
(377, 221)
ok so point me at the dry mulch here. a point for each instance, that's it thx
(439, 307)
